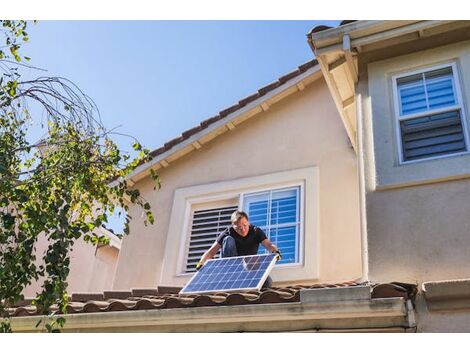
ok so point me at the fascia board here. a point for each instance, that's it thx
(368, 33)
(313, 71)
(357, 29)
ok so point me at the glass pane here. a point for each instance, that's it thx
(426, 91)
(284, 207)
(412, 98)
(257, 208)
(440, 91)
(286, 240)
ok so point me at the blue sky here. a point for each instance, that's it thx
(157, 79)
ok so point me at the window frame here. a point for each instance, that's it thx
(458, 106)
(173, 260)
(198, 204)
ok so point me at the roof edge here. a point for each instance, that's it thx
(269, 95)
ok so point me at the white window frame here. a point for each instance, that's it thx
(198, 204)
(185, 199)
(458, 106)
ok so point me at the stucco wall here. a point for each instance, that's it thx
(420, 232)
(88, 272)
(301, 131)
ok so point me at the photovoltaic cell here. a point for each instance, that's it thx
(232, 274)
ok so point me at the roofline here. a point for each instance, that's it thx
(227, 123)
(366, 32)
(348, 313)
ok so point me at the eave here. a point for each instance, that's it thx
(338, 49)
(336, 309)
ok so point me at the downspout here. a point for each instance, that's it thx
(346, 48)
(362, 188)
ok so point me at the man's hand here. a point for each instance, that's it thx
(279, 256)
(199, 265)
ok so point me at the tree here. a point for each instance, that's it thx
(61, 187)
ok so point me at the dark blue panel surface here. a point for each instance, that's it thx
(228, 274)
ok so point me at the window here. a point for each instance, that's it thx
(430, 115)
(206, 226)
(299, 186)
(276, 212)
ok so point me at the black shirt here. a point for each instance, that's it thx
(247, 245)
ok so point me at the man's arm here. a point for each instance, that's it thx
(271, 247)
(209, 254)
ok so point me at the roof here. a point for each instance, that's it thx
(241, 103)
(166, 298)
(324, 28)
(257, 98)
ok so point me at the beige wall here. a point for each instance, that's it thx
(420, 232)
(91, 269)
(302, 131)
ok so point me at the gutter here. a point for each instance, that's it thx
(367, 32)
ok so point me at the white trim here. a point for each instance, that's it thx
(459, 106)
(172, 273)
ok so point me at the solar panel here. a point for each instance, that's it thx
(232, 274)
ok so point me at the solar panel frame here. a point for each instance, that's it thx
(208, 265)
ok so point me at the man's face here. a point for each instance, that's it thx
(242, 226)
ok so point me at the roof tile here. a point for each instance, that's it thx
(229, 110)
(139, 292)
(116, 294)
(84, 297)
(150, 298)
(268, 88)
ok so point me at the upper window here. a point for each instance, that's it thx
(430, 114)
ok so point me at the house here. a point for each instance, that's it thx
(355, 164)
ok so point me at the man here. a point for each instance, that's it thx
(238, 240)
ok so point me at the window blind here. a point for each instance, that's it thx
(206, 226)
(426, 91)
(433, 135)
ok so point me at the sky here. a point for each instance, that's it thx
(155, 79)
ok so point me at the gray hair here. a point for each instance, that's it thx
(237, 215)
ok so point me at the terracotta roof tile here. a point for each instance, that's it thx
(324, 28)
(139, 292)
(148, 298)
(83, 297)
(268, 88)
(116, 294)
(319, 28)
(229, 110)
(248, 99)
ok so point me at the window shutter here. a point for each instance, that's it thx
(206, 226)
(433, 135)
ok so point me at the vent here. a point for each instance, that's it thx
(431, 136)
(206, 226)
